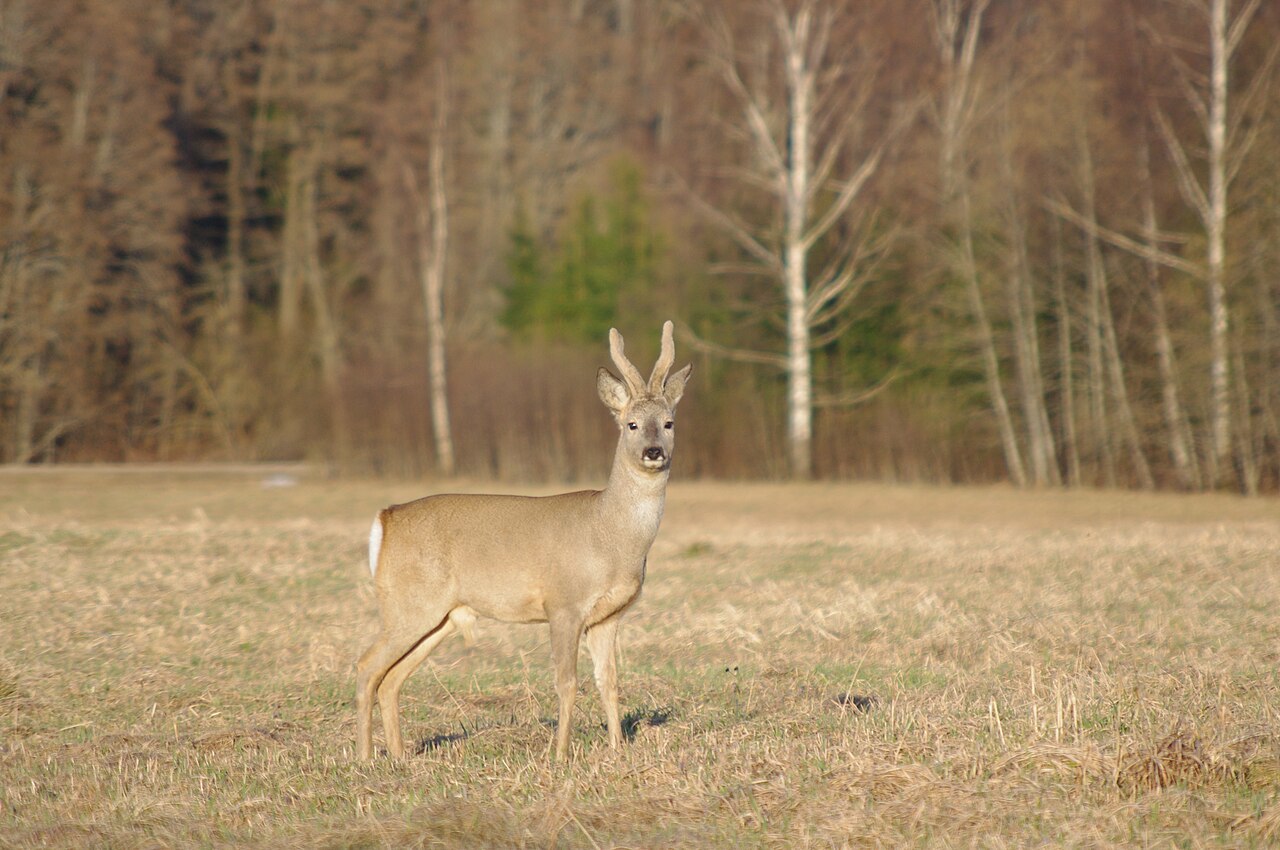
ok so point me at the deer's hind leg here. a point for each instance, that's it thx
(389, 691)
(390, 647)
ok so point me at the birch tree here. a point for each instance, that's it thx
(1022, 311)
(1225, 147)
(432, 231)
(1177, 427)
(956, 36)
(798, 134)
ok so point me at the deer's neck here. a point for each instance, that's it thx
(633, 500)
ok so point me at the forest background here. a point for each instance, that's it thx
(913, 240)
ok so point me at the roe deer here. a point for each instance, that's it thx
(575, 561)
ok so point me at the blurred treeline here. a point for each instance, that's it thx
(219, 221)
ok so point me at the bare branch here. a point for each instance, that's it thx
(741, 269)
(765, 143)
(844, 279)
(1237, 153)
(844, 294)
(1188, 80)
(849, 399)
(852, 112)
(735, 229)
(848, 192)
(828, 289)
(773, 185)
(1238, 150)
(1192, 191)
(741, 355)
(1236, 30)
(1119, 240)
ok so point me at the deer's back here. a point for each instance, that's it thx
(512, 558)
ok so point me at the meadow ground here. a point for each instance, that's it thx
(818, 665)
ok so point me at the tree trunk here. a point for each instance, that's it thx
(1066, 380)
(234, 298)
(1119, 389)
(1248, 449)
(433, 291)
(1177, 427)
(502, 26)
(1215, 231)
(1105, 362)
(291, 251)
(795, 212)
(958, 46)
(432, 234)
(326, 329)
(1026, 342)
(991, 362)
(794, 163)
(799, 373)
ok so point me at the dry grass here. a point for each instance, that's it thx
(810, 666)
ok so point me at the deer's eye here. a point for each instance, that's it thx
(632, 425)
(668, 424)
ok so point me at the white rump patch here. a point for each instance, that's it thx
(375, 544)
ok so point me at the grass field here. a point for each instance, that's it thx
(824, 665)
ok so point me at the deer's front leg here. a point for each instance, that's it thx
(602, 639)
(565, 634)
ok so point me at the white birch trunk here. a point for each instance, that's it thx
(1210, 204)
(795, 163)
(1215, 230)
(794, 250)
(433, 236)
(433, 292)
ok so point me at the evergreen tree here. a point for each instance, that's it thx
(604, 264)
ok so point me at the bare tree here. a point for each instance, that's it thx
(1021, 300)
(956, 35)
(1066, 381)
(798, 133)
(1106, 366)
(90, 212)
(432, 227)
(1223, 153)
(1178, 429)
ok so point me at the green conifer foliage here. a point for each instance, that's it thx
(604, 263)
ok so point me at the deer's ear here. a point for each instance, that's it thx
(673, 389)
(613, 392)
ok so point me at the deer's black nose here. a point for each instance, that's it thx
(653, 453)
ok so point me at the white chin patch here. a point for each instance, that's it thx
(655, 465)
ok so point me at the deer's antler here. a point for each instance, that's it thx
(667, 356)
(630, 373)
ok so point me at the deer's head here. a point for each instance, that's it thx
(644, 410)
